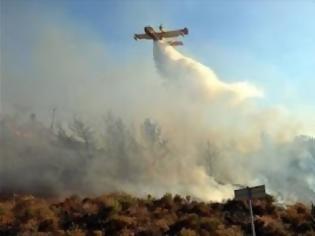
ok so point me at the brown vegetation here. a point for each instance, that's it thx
(122, 214)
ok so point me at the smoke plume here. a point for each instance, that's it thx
(245, 144)
(200, 80)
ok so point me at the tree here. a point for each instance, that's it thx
(84, 133)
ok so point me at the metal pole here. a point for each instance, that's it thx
(252, 217)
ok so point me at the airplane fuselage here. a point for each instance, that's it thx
(151, 32)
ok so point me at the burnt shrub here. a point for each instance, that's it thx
(269, 226)
(189, 221)
(210, 224)
(117, 223)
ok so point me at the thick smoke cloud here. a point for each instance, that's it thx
(269, 154)
(36, 160)
(174, 128)
(200, 80)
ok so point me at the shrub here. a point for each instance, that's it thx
(35, 215)
(231, 231)
(162, 225)
(109, 205)
(269, 226)
(209, 224)
(118, 222)
(187, 232)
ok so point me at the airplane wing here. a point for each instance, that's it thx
(173, 33)
(142, 36)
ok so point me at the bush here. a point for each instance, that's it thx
(109, 205)
(187, 232)
(233, 230)
(269, 226)
(209, 224)
(35, 215)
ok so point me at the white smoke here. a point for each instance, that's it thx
(248, 145)
(200, 80)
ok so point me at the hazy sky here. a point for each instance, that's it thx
(268, 43)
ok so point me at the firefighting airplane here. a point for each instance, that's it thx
(150, 33)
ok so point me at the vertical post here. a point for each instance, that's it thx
(252, 217)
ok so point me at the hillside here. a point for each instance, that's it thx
(122, 214)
